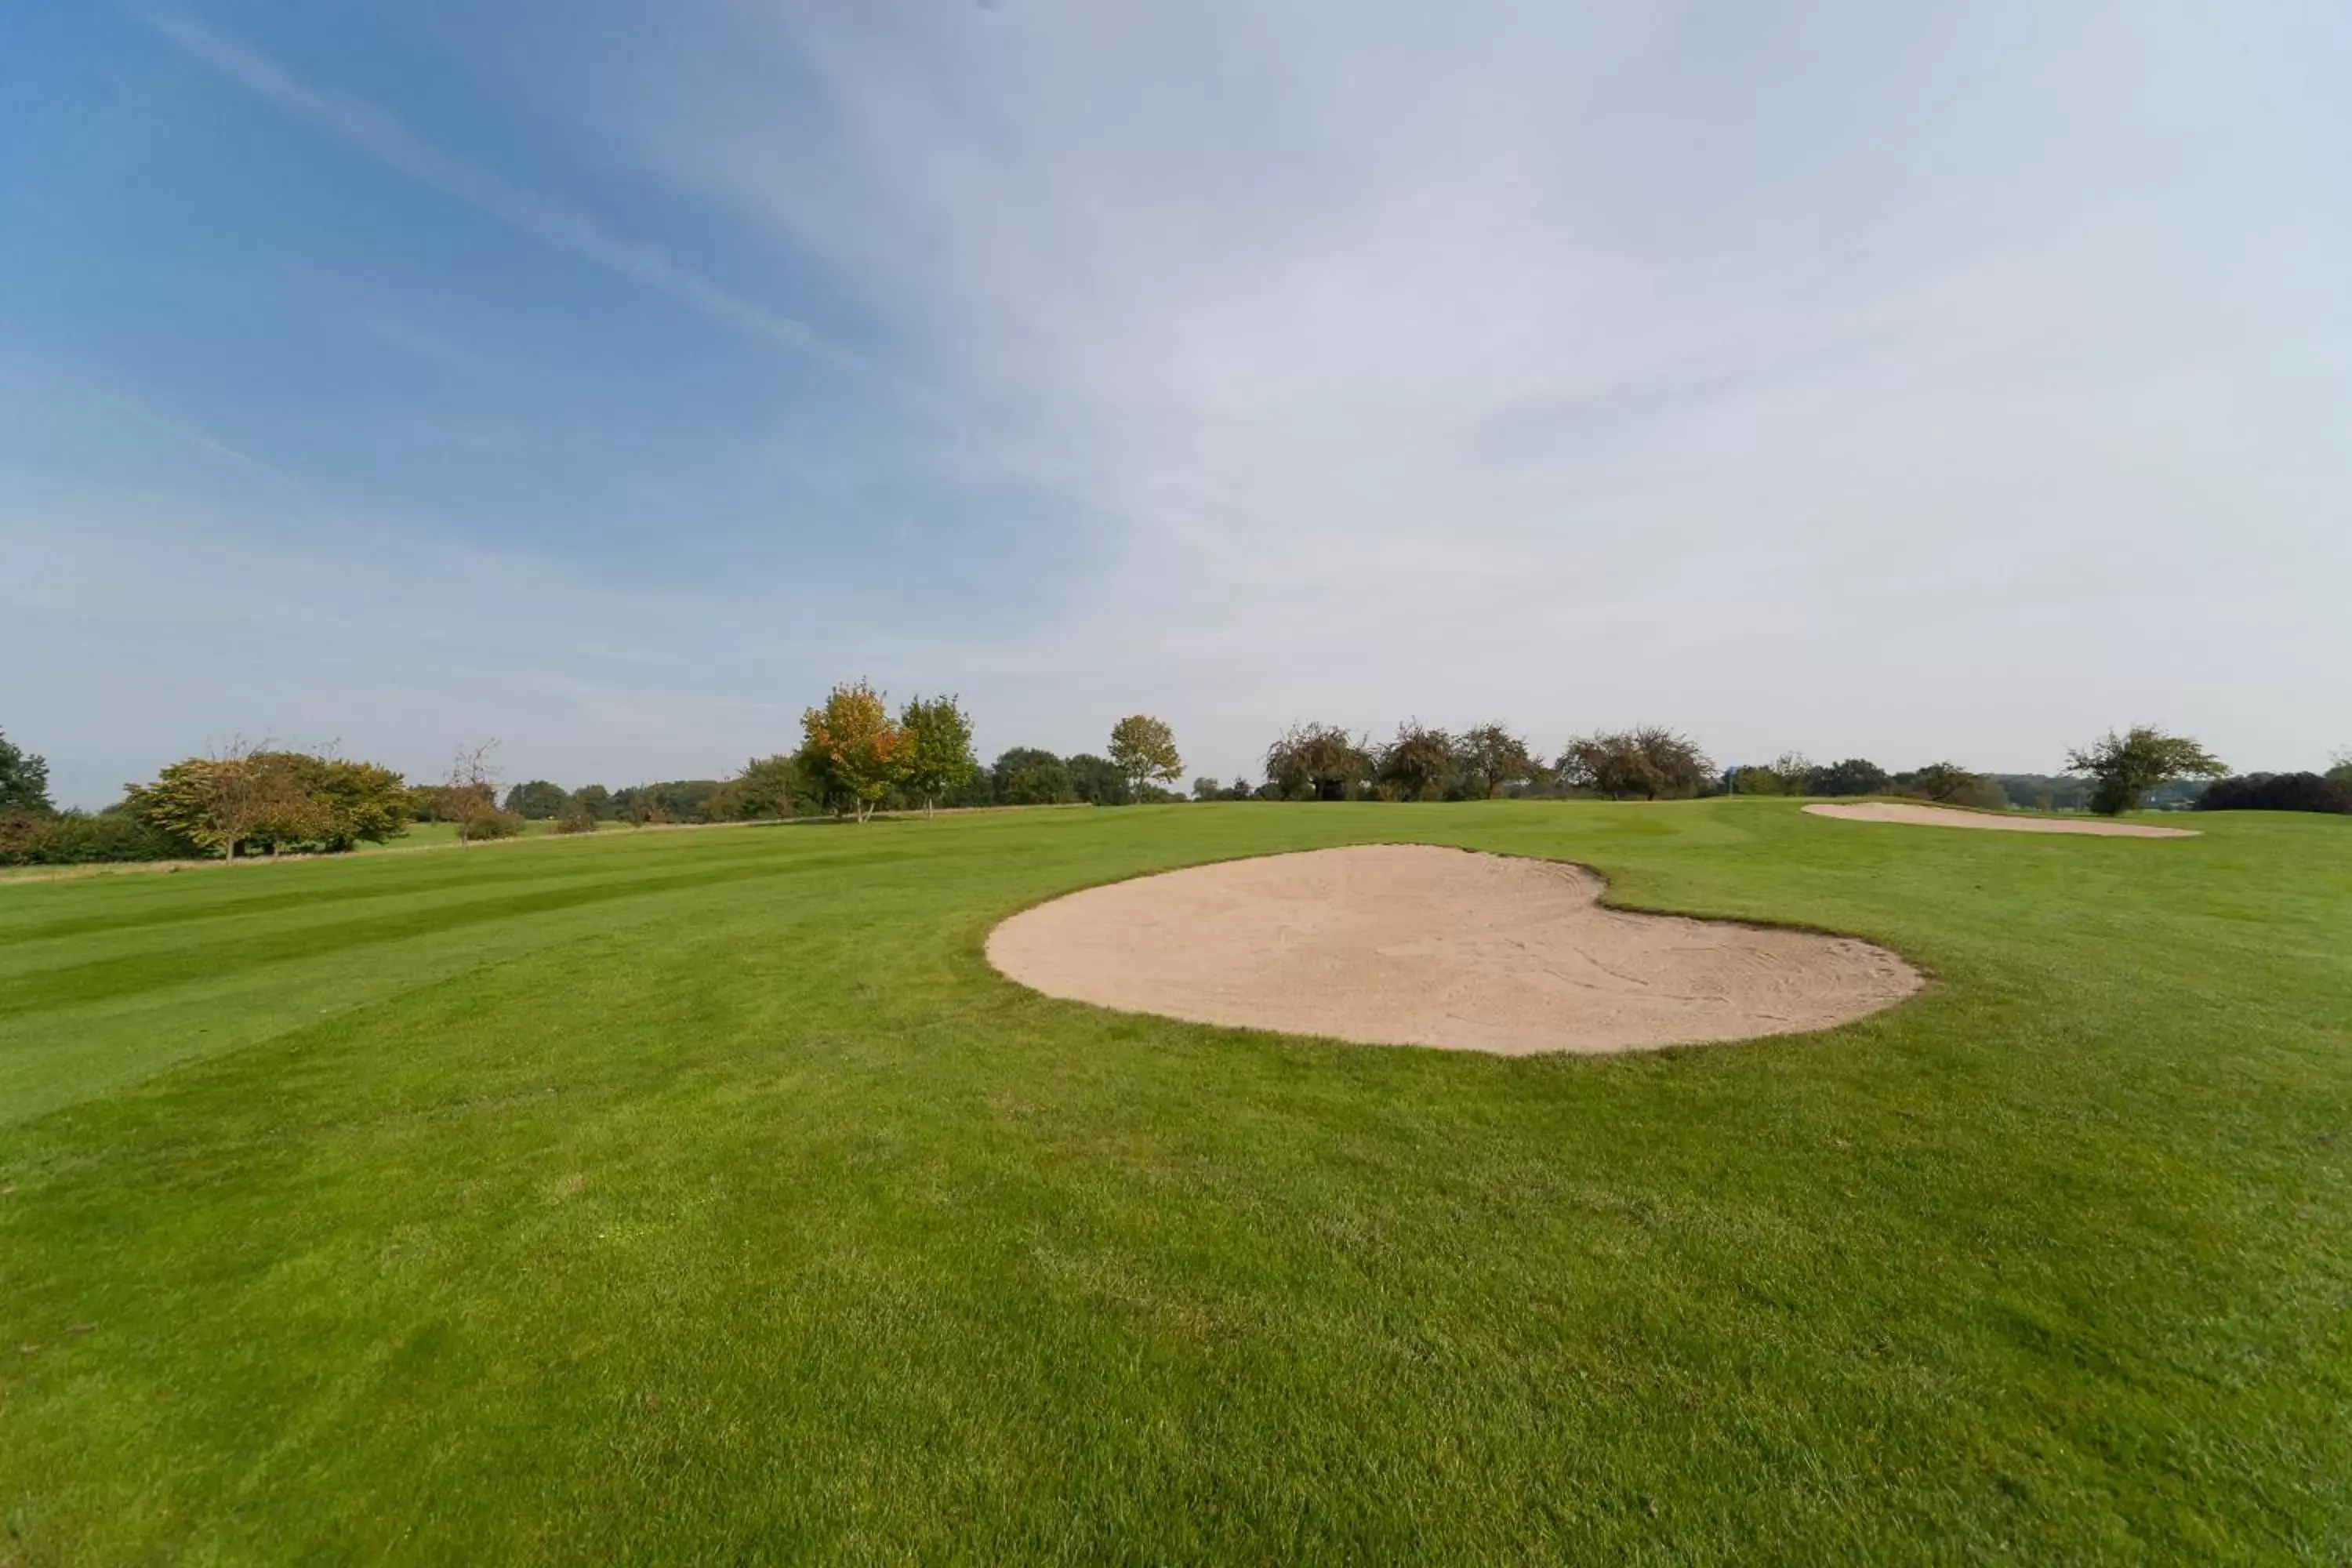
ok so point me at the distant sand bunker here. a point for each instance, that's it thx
(1943, 816)
(1406, 944)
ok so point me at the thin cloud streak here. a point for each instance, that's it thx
(385, 139)
(195, 436)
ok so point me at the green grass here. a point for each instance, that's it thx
(704, 1196)
(444, 835)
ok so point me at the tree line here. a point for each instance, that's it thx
(1649, 762)
(857, 757)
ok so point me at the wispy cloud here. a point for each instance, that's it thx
(383, 138)
(1852, 378)
(1578, 363)
(193, 436)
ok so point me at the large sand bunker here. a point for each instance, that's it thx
(1407, 944)
(1944, 817)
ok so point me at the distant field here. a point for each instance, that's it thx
(704, 1196)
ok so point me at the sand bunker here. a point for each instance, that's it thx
(1944, 817)
(1410, 945)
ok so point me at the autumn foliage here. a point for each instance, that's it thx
(852, 746)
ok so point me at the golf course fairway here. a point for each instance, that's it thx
(704, 1195)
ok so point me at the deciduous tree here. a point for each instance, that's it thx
(364, 803)
(1041, 780)
(1418, 764)
(469, 797)
(243, 794)
(853, 747)
(1143, 749)
(1317, 762)
(538, 800)
(1651, 762)
(768, 787)
(2278, 792)
(24, 780)
(939, 759)
(1855, 776)
(1098, 781)
(1949, 784)
(2124, 768)
(1489, 759)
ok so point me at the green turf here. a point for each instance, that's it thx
(704, 1197)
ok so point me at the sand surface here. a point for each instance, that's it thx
(1944, 817)
(1409, 944)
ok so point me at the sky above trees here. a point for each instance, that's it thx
(1909, 382)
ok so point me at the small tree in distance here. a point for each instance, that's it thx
(24, 780)
(1949, 784)
(1416, 765)
(1143, 749)
(248, 797)
(939, 757)
(1098, 781)
(767, 787)
(1317, 762)
(1855, 776)
(1651, 762)
(851, 744)
(536, 801)
(1490, 757)
(2124, 768)
(470, 797)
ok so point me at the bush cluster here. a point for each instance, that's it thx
(2277, 792)
(87, 838)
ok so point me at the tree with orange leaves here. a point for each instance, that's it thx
(851, 746)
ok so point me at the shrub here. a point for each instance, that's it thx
(491, 825)
(576, 818)
(2277, 792)
(115, 836)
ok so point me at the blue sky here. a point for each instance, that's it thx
(1904, 381)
